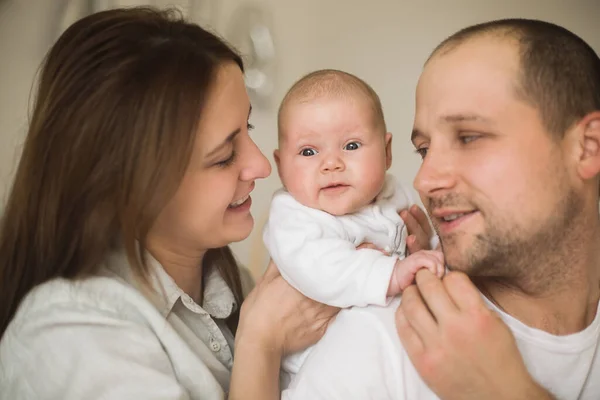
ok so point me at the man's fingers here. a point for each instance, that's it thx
(413, 244)
(413, 227)
(435, 295)
(462, 291)
(408, 336)
(418, 315)
(422, 219)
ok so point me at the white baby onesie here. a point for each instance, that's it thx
(316, 251)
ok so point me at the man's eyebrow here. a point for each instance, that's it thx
(229, 138)
(415, 134)
(452, 118)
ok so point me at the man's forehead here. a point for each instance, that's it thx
(479, 54)
(471, 80)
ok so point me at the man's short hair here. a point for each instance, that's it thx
(559, 72)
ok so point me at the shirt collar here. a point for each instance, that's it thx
(218, 300)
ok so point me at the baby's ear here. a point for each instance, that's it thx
(276, 157)
(588, 134)
(277, 162)
(388, 150)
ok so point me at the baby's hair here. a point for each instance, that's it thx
(331, 83)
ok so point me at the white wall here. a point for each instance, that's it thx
(383, 41)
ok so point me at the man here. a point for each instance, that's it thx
(508, 125)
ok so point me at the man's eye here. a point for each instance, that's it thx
(308, 152)
(352, 146)
(468, 139)
(422, 152)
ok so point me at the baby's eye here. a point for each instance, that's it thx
(352, 146)
(308, 152)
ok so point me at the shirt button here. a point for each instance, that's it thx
(214, 345)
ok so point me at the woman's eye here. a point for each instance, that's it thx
(227, 162)
(308, 152)
(352, 146)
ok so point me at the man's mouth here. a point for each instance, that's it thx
(449, 220)
(452, 217)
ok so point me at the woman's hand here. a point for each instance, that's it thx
(278, 318)
(419, 229)
(275, 320)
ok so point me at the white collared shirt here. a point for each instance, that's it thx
(101, 338)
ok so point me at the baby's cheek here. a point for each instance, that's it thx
(374, 180)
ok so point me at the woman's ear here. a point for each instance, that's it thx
(589, 146)
(388, 150)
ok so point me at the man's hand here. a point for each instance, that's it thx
(461, 349)
(418, 227)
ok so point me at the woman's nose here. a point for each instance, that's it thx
(256, 165)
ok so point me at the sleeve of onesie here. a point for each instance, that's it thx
(313, 254)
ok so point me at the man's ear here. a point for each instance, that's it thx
(588, 166)
(388, 150)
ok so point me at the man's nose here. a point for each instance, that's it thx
(437, 172)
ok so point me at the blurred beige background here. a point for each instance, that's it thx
(384, 42)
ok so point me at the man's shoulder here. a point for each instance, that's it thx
(381, 318)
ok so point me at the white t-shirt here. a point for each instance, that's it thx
(361, 357)
(101, 338)
(316, 251)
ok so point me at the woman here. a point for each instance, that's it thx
(115, 276)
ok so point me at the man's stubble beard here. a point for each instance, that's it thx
(531, 259)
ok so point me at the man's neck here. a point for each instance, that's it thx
(561, 305)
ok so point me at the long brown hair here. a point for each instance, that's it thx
(110, 137)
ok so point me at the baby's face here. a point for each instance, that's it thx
(331, 155)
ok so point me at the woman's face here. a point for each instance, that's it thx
(211, 208)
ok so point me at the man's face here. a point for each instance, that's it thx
(496, 184)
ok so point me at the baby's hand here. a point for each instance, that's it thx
(405, 270)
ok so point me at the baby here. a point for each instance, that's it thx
(334, 151)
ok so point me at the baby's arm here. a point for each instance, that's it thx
(406, 269)
(313, 254)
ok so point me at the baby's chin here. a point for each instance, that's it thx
(340, 209)
(335, 205)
